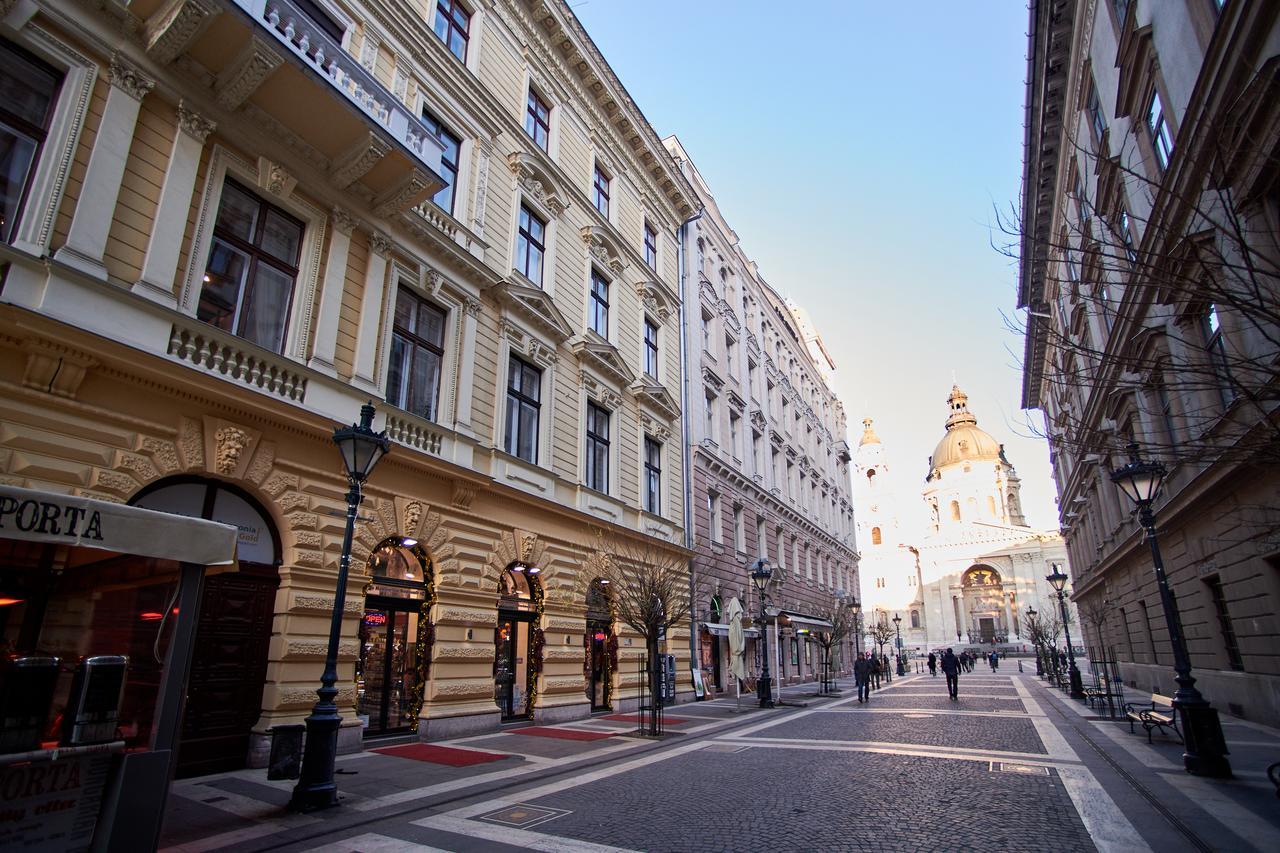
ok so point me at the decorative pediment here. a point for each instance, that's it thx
(753, 345)
(595, 352)
(713, 379)
(707, 293)
(656, 428)
(775, 437)
(1135, 56)
(602, 394)
(758, 421)
(735, 400)
(730, 318)
(657, 299)
(656, 398)
(604, 249)
(537, 182)
(533, 305)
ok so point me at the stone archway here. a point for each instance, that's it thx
(982, 594)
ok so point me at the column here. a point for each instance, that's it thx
(161, 264)
(1008, 615)
(335, 277)
(466, 366)
(371, 312)
(95, 209)
(962, 618)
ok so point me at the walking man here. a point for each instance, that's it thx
(862, 675)
(874, 663)
(951, 669)
(994, 660)
(933, 664)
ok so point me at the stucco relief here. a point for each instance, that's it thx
(228, 447)
(279, 483)
(261, 463)
(140, 466)
(191, 443)
(164, 454)
(463, 689)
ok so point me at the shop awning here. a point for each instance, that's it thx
(36, 516)
(722, 630)
(801, 621)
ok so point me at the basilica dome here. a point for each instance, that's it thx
(963, 442)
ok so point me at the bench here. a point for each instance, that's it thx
(1160, 715)
(1273, 773)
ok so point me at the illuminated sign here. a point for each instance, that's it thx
(375, 618)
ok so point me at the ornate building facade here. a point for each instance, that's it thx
(1148, 269)
(235, 221)
(966, 574)
(769, 459)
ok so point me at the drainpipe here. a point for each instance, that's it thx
(685, 437)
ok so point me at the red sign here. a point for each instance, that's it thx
(600, 635)
(375, 618)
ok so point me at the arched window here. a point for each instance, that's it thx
(875, 536)
(955, 510)
(197, 497)
(915, 618)
(991, 505)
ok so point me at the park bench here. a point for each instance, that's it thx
(1160, 715)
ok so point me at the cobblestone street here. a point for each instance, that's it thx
(1010, 765)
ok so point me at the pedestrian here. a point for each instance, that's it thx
(862, 675)
(933, 664)
(874, 661)
(951, 669)
(992, 661)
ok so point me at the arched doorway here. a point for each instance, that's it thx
(983, 594)
(229, 666)
(517, 641)
(395, 637)
(602, 647)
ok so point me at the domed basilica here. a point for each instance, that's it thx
(965, 573)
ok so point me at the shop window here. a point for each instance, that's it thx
(252, 268)
(28, 92)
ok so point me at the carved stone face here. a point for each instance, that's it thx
(412, 516)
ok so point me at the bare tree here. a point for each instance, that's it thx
(881, 633)
(1180, 330)
(1095, 611)
(836, 611)
(648, 585)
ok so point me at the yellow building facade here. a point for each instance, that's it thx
(238, 220)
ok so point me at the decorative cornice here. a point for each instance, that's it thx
(172, 30)
(536, 181)
(193, 124)
(411, 189)
(356, 162)
(242, 77)
(602, 247)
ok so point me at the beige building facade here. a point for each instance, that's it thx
(241, 219)
(1148, 267)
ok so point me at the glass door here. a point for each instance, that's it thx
(599, 680)
(387, 676)
(511, 665)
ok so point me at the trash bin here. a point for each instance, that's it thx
(286, 751)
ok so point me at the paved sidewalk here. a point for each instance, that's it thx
(1012, 764)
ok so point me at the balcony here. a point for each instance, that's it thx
(269, 61)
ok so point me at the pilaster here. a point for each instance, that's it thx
(375, 281)
(335, 274)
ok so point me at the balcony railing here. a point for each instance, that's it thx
(235, 359)
(291, 27)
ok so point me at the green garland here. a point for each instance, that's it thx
(536, 643)
(426, 639)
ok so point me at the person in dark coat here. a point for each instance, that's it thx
(951, 669)
(994, 660)
(875, 670)
(862, 675)
(933, 664)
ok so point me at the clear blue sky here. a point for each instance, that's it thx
(858, 149)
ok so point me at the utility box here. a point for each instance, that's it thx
(286, 751)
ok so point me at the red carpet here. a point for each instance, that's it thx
(635, 718)
(562, 734)
(441, 754)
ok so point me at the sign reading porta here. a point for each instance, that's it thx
(37, 516)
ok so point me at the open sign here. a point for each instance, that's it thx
(375, 618)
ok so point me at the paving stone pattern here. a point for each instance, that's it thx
(992, 733)
(964, 703)
(712, 801)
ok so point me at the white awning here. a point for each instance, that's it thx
(35, 516)
(722, 630)
(803, 621)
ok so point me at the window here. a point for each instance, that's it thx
(875, 536)
(537, 120)
(1097, 118)
(756, 461)
(915, 618)
(321, 19)
(1225, 625)
(29, 89)
(1122, 10)
(652, 476)
(1082, 203)
(650, 246)
(650, 347)
(1161, 137)
(762, 537)
(955, 510)
(739, 532)
(253, 265)
(781, 548)
(599, 307)
(1217, 350)
(600, 192)
(453, 24)
(448, 161)
(1126, 236)
(524, 392)
(728, 355)
(1166, 411)
(751, 378)
(734, 422)
(597, 448)
(713, 516)
(531, 245)
(417, 348)
(709, 427)
(706, 332)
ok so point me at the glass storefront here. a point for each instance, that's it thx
(394, 639)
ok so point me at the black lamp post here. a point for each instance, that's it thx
(855, 608)
(361, 448)
(1031, 614)
(897, 626)
(1058, 580)
(1205, 748)
(760, 574)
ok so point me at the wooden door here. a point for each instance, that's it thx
(228, 670)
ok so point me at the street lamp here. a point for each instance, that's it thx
(1058, 580)
(760, 574)
(1031, 615)
(1205, 748)
(897, 626)
(855, 607)
(361, 448)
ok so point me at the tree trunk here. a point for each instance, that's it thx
(655, 683)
